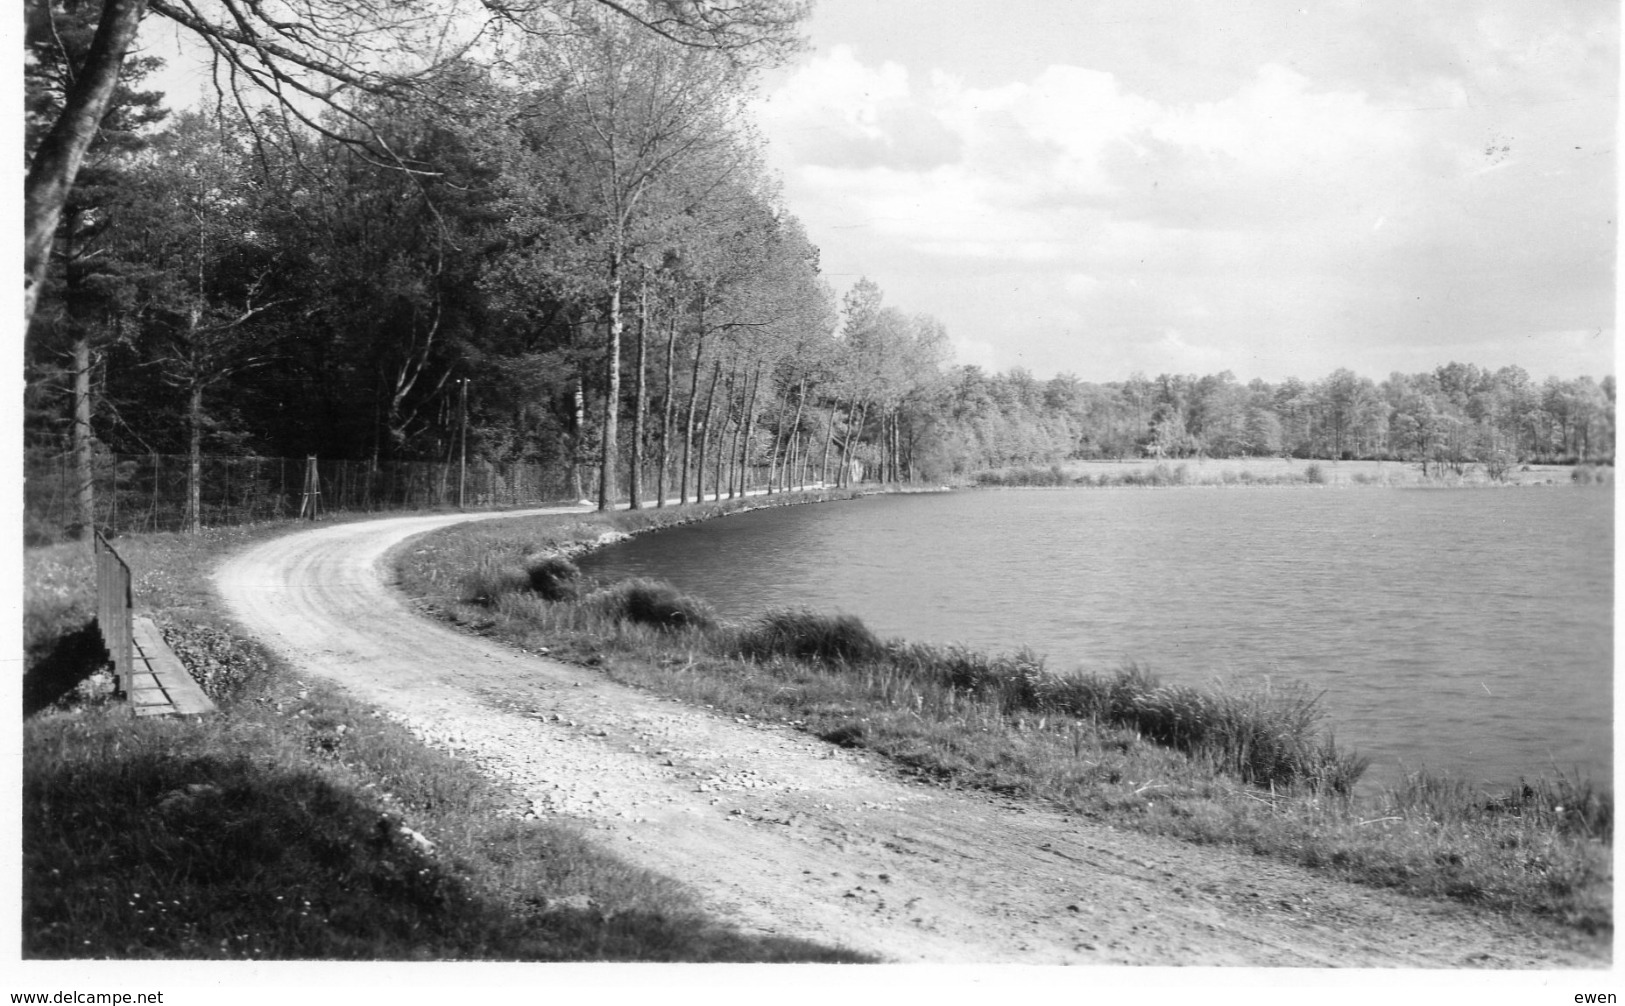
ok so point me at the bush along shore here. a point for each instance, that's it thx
(1247, 766)
(296, 823)
(1270, 471)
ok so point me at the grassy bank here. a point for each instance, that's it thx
(1270, 471)
(1237, 765)
(295, 823)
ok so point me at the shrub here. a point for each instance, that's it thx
(1159, 475)
(810, 636)
(1031, 476)
(1499, 465)
(1314, 473)
(553, 577)
(1586, 475)
(652, 603)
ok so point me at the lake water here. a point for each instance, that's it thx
(1467, 631)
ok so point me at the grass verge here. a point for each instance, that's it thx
(296, 823)
(1247, 767)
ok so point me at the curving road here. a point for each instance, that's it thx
(785, 834)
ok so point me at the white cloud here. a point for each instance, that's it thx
(1282, 223)
(1032, 160)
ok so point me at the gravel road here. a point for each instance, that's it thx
(785, 834)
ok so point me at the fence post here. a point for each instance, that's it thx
(313, 488)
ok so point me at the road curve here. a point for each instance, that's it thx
(784, 834)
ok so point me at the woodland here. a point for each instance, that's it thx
(547, 235)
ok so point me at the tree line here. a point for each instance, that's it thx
(559, 245)
(1448, 418)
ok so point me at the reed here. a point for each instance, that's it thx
(553, 578)
(650, 602)
(806, 635)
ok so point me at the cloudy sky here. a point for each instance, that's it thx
(1266, 187)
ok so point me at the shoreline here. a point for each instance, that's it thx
(581, 632)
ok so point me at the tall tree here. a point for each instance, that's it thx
(86, 285)
(211, 274)
(309, 55)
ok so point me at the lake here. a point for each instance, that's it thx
(1460, 630)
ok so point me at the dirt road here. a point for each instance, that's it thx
(785, 834)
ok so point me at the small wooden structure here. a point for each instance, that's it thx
(145, 670)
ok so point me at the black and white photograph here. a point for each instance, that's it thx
(733, 499)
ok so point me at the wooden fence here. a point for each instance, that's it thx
(114, 612)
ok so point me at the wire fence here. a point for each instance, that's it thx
(151, 492)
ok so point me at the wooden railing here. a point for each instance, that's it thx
(114, 612)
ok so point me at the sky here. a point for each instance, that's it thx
(1275, 189)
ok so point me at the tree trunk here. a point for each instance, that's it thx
(609, 456)
(665, 422)
(84, 472)
(194, 457)
(896, 450)
(829, 440)
(56, 161)
(773, 466)
(705, 432)
(634, 479)
(748, 420)
(791, 440)
(847, 449)
(688, 431)
(577, 490)
(725, 458)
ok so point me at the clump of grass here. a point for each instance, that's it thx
(651, 602)
(1267, 737)
(807, 635)
(1556, 804)
(1587, 475)
(492, 579)
(553, 578)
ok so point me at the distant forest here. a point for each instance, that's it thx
(581, 262)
